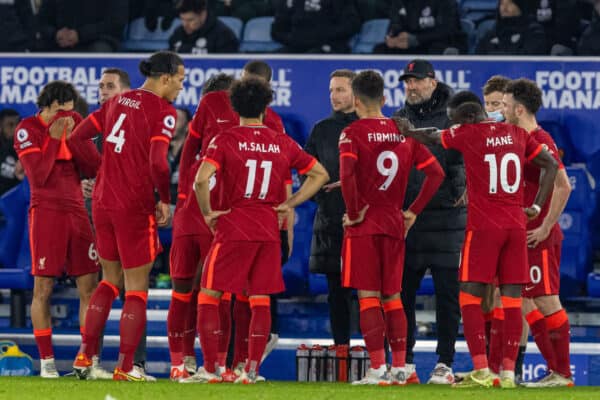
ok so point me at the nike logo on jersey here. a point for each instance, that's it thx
(528, 288)
(222, 121)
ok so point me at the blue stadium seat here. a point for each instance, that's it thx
(468, 27)
(371, 33)
(13, 207)
(478, 10)
(482, 28)
(138, 38)
(426, 288)
(295, 271)
(573, 222)
(296, 127)
(257, 36)
(235, 24)
(582, 196)
(593, 284)
(563, 141)
(575, 261)
(317, 284)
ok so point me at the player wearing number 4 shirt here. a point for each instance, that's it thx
(543, 311)
(252, 162)
(60, 234)
(138, 126)
(375, 161)
(495, 243)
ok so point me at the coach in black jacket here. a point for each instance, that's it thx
(436, 238)
(328, 232)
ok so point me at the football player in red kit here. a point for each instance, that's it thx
(375, 161)
(60, 234)
(137, 127)
(496, 240)
(252, 162)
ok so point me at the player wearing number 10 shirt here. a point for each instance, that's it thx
(137, 128)
(495, 243)
(375, 161)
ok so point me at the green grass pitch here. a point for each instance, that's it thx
(12, 388)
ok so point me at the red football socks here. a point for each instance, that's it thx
(496, 341)
(372, 327)
(96, 316)
(225, 315)
(537, 324)
(189, 336)
(559, 330)
(209, 329)
(260, 328)
(43, 339)
(513, 328)
(133, 321)
(395, 324)
(176, 324)
(241, 318)
(474, 328)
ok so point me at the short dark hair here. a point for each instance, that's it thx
(160, 63)
(468, 109)
(8, 112)
(496, 83)
(466, 96)
(525, 92)
(368, 86)
(343, 73)
(81, 106)
(260, 68)
(59, 91)
(217, 82)
(195, 6)
(250, 97)
(123, 76)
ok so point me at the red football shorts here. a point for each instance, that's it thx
(241, 267)
(127, 237)
(544, 269)
(61, 242)
(492, 253)
(374, 262)
(188, 253)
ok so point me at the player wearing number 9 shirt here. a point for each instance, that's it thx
(252, 162)
(375, 161)
(495, 242)
(138, 126)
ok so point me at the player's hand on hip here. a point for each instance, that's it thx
(531, 213)
(283, 211)
(332, 186)
(212, 217)
(409, 220)
(87, 186)
(63, 125)
(462, 200)
(403, 124)
(346, 221)
(537, 235)
(163, 213)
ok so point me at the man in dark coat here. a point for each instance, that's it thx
(327, 229)
(435, 240)
(200, 31)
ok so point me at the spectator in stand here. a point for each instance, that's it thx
(373, 9)
(423, 27)
(315, 26)
(589, 43)
(242, 9)
(73, 25)
(16, 25)
(151, 10)
(561, 25)
(11, 170)
(200, 31)
(516, 32)
(181, 131)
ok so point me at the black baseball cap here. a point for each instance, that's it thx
(419, 69)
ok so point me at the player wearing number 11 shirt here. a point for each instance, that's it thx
(138, 127)
(495, 242)
(375, 161)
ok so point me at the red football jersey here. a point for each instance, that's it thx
(213, 116)
(384, 160)
(55, 182)
(495, 155)
(532, 181)
(129, 122)
(252, 164)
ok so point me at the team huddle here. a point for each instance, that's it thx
(235, 204)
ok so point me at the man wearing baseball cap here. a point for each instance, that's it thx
(435, 240)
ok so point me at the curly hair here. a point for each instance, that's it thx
(59, 91)
(496, 83)
(525, 92)
(250, 97)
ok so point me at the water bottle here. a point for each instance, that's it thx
(331, 362)
(317, 364)
(302, 363)
(342, 362)
(356, 361)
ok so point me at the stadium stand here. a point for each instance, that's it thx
(257, 36)
(371, 33)
(235, 24)
(139, 38)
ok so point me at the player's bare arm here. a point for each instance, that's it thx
(549, 168)
(202, 190)
(427, 136)
(63, 125)
(560, 196)
(316, 177)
